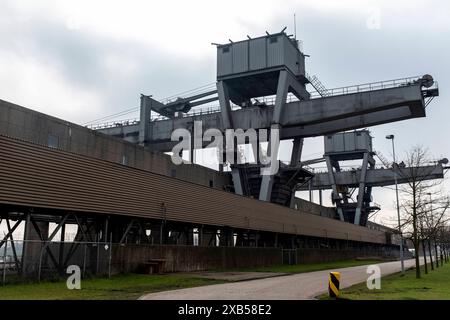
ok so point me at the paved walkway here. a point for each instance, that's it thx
(233, 276)
(293, 287)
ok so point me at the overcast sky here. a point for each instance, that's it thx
(81, 60)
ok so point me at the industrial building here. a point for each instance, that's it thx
(117, 185)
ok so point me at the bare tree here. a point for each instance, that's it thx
(415, 192)
(445, 241)
(436, 218)
(433, 219)
(423, 239)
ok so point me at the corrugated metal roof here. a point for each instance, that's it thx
(37, 176)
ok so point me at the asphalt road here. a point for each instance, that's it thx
(292, 287)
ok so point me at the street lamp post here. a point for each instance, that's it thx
(434, 230)
(391, 137)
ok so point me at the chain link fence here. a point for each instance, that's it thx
(46, 260)
(49, 260)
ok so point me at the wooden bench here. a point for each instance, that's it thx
(153, 266)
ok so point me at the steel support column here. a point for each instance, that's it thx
(297, 147)
(145, 126)
(361, 190)
(272, 148)
(227, 123)
(335, 194)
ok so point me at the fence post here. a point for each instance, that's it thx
(4, 262)
(40, 263)
(110, 256)
(84, 260)
(98, 254)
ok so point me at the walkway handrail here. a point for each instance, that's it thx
(270, 100)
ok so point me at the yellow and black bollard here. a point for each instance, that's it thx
(333, 284)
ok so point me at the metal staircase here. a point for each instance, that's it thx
(384, 161)
(320, 88)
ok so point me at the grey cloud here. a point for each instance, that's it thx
(79, 56)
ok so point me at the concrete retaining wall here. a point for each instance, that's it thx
(328, 255)
(99, 259)
(190, 258)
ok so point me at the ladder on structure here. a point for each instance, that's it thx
(384, 161)
(320, 88)
(244, 180)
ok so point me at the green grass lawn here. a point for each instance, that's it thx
(132, 286)
(432, 286)
(300, 268)
(129, 286)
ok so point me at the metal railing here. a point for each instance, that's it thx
(365, 87)
(112, 124)
(154, 117)
(372, 86)
(270, 100)
(189, 93)
(349, 168)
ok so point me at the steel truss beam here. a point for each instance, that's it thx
(314, 117)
